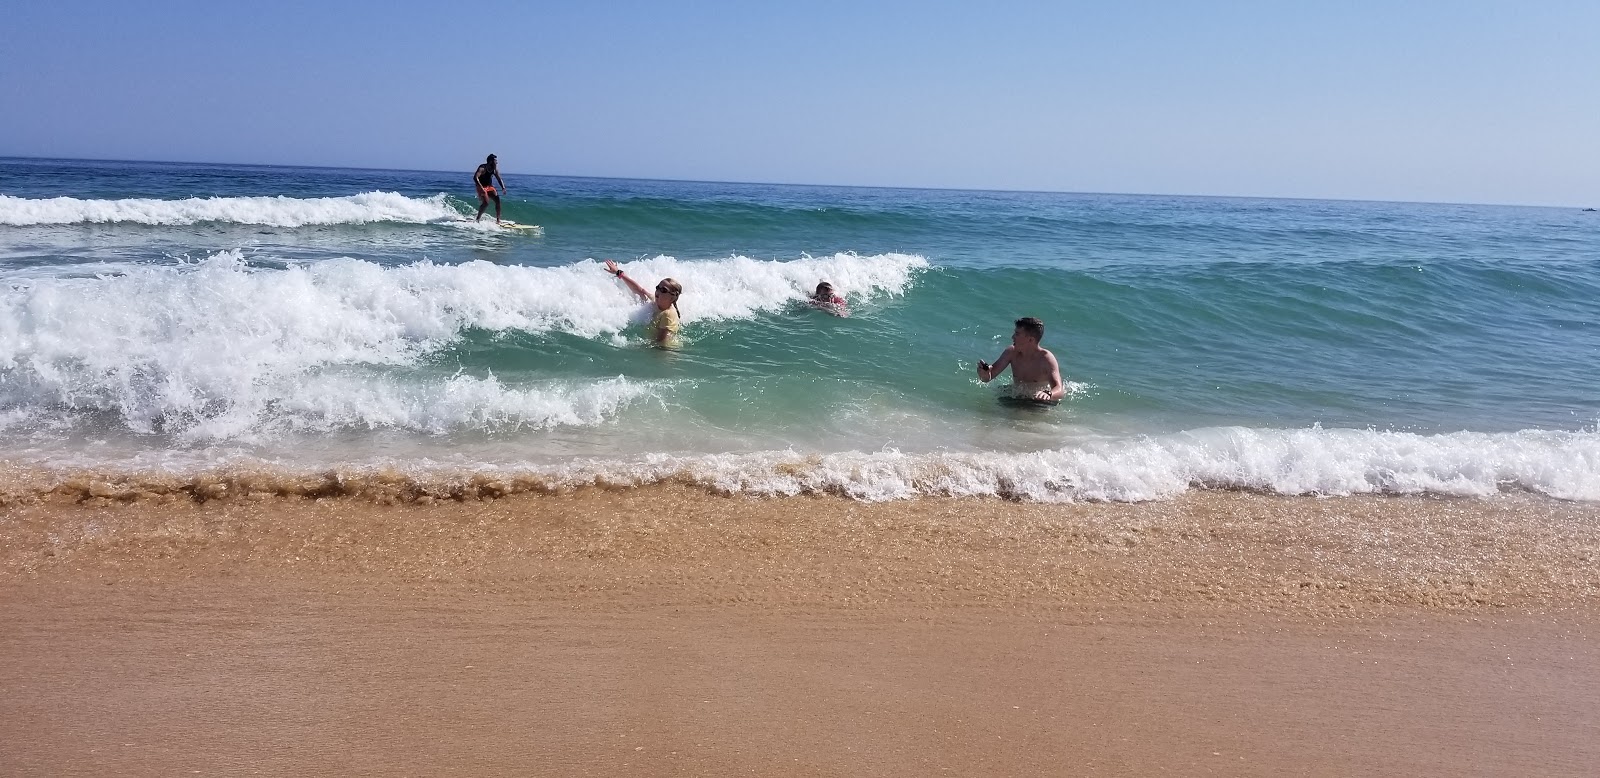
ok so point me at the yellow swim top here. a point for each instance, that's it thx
(666, 320)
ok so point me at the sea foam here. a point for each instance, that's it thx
(1313, 461)
(1300, 462)
(279, 211)
(223, 350)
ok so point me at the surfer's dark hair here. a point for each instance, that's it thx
(1032, 326)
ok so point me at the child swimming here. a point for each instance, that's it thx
(824, 299)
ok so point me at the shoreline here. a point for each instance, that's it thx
(683, 545)
(1311, 462)
(665, 631)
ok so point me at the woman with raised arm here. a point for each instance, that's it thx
(664, 324)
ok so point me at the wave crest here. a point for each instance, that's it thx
(365, 208)
(220, 350)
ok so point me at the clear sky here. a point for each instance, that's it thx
(1444, 101)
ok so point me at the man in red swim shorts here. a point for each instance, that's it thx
(484, 178)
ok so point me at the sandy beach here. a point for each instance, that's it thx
(665, 631)
(856, 390)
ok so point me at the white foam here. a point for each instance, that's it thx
(1304, 462)
(1313, 461)
(219, 350)
(268, 211)
(741, 287)
(330, 404)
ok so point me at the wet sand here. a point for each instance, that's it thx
(662, 631)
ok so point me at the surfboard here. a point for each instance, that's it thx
(505, 224)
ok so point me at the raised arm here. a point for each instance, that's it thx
(611, 267)
(987, 372)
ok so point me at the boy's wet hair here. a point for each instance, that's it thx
(1032, 326)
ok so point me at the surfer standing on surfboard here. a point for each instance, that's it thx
(484, 178)
(1035, 375)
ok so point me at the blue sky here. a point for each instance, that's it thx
(1460, 101)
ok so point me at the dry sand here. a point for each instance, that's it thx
(662, 631)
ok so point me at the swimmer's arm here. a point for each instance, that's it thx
(499, 179)
(987, 372)
(611, 267)
(475, 184)
(1057, 386)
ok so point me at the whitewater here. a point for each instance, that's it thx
(277, 211)
(272, 326)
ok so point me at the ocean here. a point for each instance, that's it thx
(166, 323)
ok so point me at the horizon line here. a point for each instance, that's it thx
(816, 185)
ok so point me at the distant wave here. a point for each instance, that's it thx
(280, 211)
(1290, 462)
(219, 350)
(625, 214)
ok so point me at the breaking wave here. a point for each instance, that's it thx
(221, 350)
(1305, 462)
(365, 208)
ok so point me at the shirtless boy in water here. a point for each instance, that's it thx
(1034, 372)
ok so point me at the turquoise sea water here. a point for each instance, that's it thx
(192, 316)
